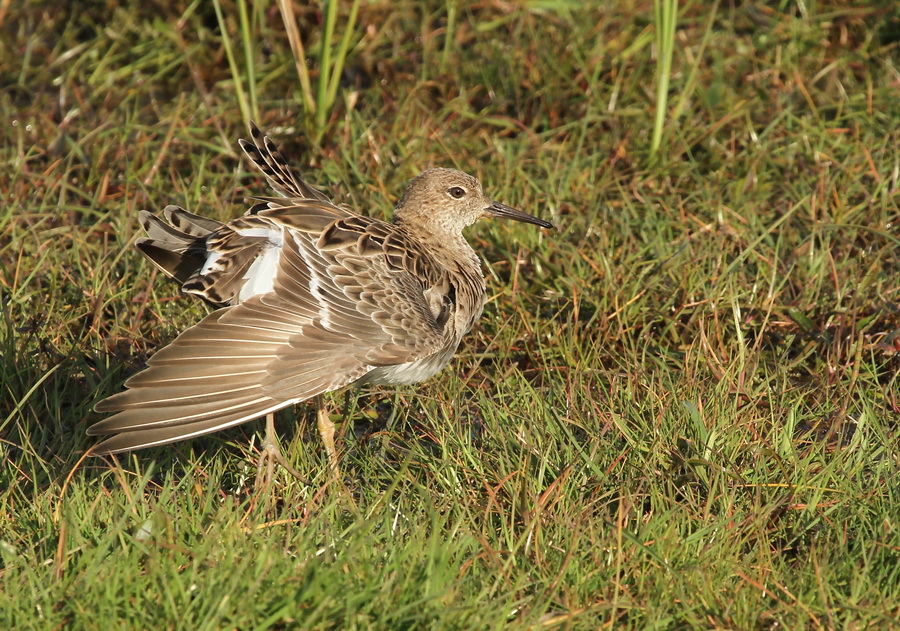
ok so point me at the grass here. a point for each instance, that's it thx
(680, 409)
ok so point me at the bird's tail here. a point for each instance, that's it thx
(177, 246)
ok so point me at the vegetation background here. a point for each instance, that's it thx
(680, 409)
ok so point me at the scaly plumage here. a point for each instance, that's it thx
(312, 297)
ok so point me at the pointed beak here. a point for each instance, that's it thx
(496, 209)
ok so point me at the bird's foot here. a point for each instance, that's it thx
(271, 454)
(326, 431)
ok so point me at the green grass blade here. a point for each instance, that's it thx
(665, 17)
(237, 79)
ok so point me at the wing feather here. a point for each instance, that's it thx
(337, 309)
(268, 159)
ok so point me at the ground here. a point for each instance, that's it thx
(680, 409)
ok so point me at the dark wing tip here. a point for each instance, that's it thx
(255, 133)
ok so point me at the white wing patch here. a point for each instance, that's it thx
(315, 287)
(275, 237)
(212, 262)
(260, 276)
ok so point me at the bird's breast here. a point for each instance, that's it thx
(470, 294)
(410, 372)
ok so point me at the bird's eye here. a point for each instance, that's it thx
(456, 192)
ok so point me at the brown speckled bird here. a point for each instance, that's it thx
(313, 297)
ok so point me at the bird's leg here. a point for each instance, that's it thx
(271, 453)
(346, 405)
(326, 431)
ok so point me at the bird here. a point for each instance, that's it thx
(308, 297)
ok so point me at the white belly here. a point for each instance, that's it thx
(410, 372)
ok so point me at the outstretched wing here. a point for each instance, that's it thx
(338, 309)
(268, 159)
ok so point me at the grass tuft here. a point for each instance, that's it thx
(679, 410)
